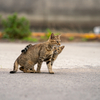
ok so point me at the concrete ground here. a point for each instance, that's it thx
(65, 84)
(77, 75)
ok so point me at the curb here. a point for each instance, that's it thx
(68, 35)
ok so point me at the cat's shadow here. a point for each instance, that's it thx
(31, 73)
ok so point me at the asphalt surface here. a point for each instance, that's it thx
(65, 84)
(77, 75)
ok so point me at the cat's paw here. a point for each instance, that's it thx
(51, 72)
(33, 72)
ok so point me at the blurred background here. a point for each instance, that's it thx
(62, 16)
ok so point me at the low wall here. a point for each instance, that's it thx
(55, 12)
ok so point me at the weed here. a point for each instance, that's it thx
(30, 39)
(48, 34)
(84, 39)
(15, 27)
(71, 38)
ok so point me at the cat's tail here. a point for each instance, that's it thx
(15, 67)
(26, 48)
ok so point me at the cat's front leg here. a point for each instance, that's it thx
(49, 67)
(52, 63)
(39, 64)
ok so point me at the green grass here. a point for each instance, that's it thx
(84, 39)
(71, 38)
(30, 39)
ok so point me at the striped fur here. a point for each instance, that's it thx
(36, 54)
(26, 48)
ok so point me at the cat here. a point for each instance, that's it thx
(37, 54)
(57, 51)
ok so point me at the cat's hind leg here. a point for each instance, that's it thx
(21, 68)
(28, 66)
(15, 68)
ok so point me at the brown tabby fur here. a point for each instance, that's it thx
(37, 54)
(57, 51)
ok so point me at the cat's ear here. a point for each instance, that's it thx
(52, 36)
(58, 37)
(62, 47)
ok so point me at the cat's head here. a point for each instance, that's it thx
(54, 40)
(58, 50)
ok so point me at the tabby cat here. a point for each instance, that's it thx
(57, 51)
(37, 54)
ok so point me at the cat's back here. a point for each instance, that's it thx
(32, 53)
(37, 47)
